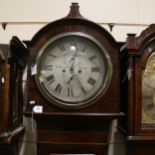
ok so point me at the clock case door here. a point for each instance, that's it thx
(135, 55)
(11, 105)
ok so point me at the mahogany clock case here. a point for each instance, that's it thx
(55, 125)
(74, 22)
(3, 88)
(13, 62)
(18, 62)
(137, 103)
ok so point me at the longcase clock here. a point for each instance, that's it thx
(140, 87)
(73, 85)
(13, 62)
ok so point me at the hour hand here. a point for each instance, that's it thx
(70, 79)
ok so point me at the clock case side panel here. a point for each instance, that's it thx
(126, 68)
(108, 104)
(11, 128)
(4, 104)
(4, 90)
(17, 61)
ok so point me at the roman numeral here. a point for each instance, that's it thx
(150, 106)
(50, 54)
(61, 47)
(83, 90)
(84, 48)
(92, 57)
(48, 67)
(95, 69)
(50, 78)
(58, 88)
(70, 92)
(91, 81)
(73, 43)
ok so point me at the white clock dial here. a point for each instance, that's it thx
(73, 70)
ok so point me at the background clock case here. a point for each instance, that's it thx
(13, 61)
(135, 53)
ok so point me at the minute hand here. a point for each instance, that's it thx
(81, 86)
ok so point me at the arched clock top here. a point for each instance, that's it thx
(147, 35)
(137, 44)
(141, 46)
(96, 61)
(73, 21)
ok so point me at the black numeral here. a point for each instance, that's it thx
(50, 78)
(95, 69)
(92, 57)
(48, 67)
(58, 88)
(83, 90)
(84, 48)
(61, 47)
(91, 81)
(70, 92)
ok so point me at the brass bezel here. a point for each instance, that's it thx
(71, 105)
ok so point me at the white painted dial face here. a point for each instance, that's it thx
(73, 70)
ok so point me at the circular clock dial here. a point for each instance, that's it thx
(73, 70)
(148, 87)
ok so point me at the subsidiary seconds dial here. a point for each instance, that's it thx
(73, 70)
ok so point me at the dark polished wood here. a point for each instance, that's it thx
(13, 61)
(10, 142)
(106, 104)
(82, 130)
(18, 61)
(136, 51)
(4, 89)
